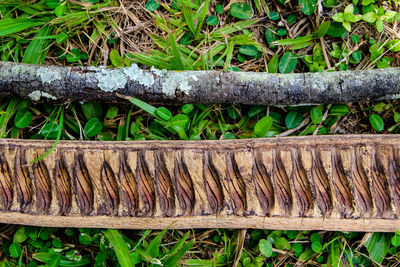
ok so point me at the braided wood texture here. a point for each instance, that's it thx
(347, 183)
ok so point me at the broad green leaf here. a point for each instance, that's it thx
(349, 9)
(355, 38)
(20, 235)
(347, 26)
(120, 247)
(60, 10)
(315, 237)
(93, 127)
(219, 9)
(233, 112)
(273, 64)
(270, 35)
(282, 243)
(369, 17)
(288, 62)
(339, 110)
(262, 126)
(212, 20)
(336, 30)
(274, 16)
(297, 249)
(50, 130)
(316, 247)
(116, 59)
(92, 110)
(112, 112)
(105, 136)
(254, 110)
(187, 108)
(74, 55)
(15, 250)
(164, 113)
(307, 254)
(338, 17)
(265, 247)
(241, 10)
(357, 56)
(379, 25)
(308, 6)
(395, 240)
(316, 115)
(293, 119)
(152, 5)
(378, 245)
(85, 239)
(376, 122)
(396, 117)
(393, 45)
(23, 118)
(248, 50)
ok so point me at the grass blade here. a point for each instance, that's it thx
(38, 47)
(178, 63)
(120, 247)
(202, 17)
(61, 123)
(188, 18)
(9, 26)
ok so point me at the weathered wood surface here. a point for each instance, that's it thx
(347, 183)
(57, 83)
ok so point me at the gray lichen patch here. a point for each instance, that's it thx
(47, 75)
(246, 77)
(110, 80)
(178, 81)
(134, 73)
(157, 72)
(36, 95)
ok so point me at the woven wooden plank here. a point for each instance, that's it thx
(347, 183)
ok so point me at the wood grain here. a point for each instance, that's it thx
(347, 183)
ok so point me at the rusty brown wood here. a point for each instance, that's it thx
(347, 183)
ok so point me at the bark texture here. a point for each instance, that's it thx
(346, 183)
(59, 83)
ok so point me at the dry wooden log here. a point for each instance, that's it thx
(59, 83)
(346, 183)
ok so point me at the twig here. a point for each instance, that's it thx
(290, 131)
